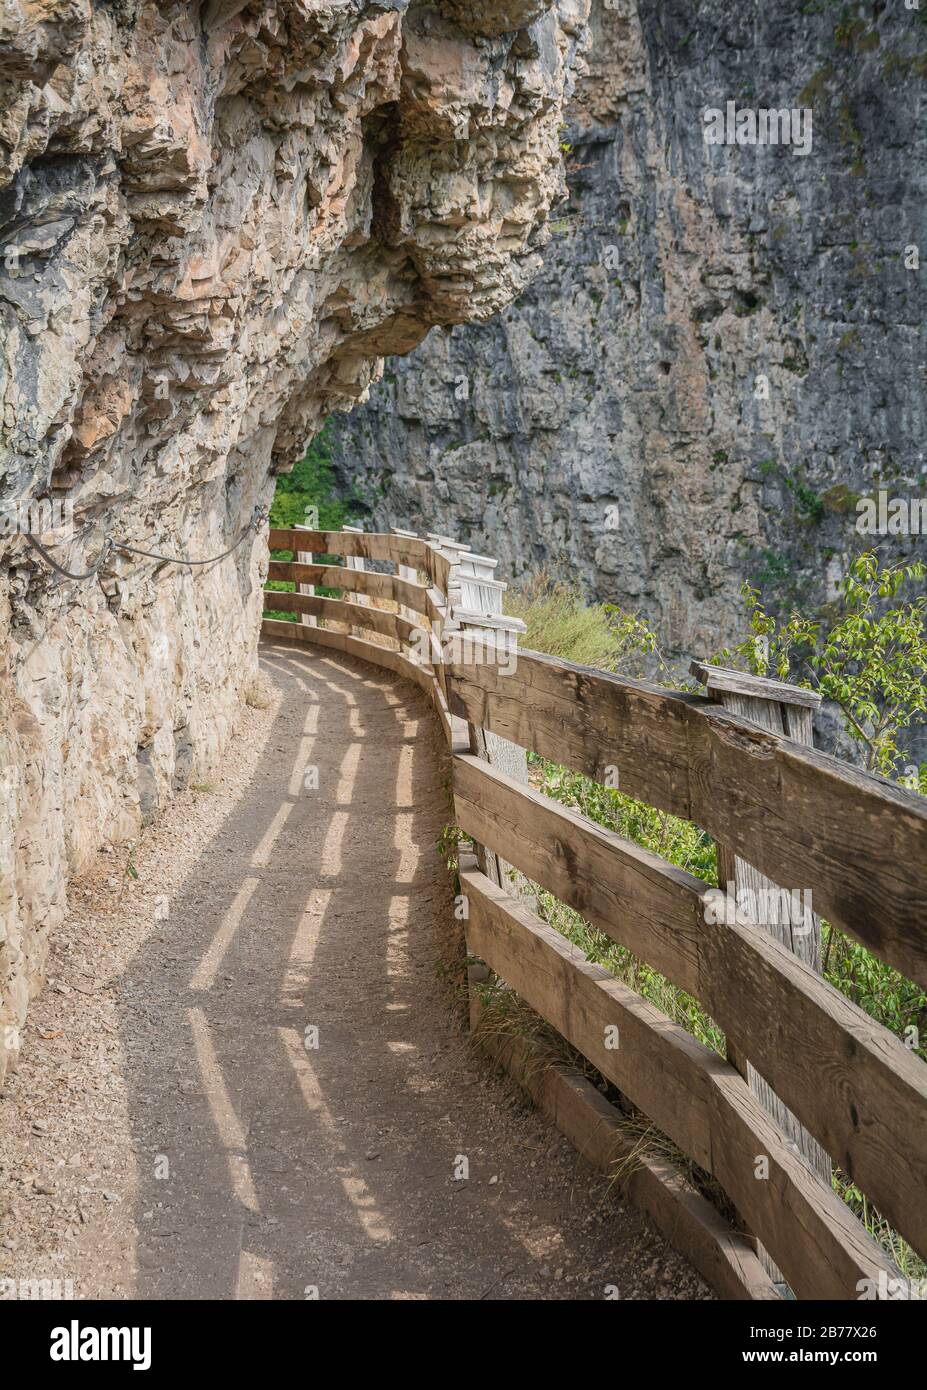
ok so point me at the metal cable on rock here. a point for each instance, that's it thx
(257, 518)
(37, 545)
(260, 515)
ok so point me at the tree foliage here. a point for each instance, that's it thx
(870, 657)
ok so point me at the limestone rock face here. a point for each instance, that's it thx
(724, 350)
(215, 220)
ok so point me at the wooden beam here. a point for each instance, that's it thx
(405, 571)
(632, 895)
(727, 682)
(574, 715)
(856, 1087)
(373, 545)
(691, 1094)
(357, 562)
(335, 610)
(686, 1219)
(486, 629)
(784, 709)
(304, 557)
(382, 586)
(800, 817)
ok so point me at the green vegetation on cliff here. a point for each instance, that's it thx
(307, 497)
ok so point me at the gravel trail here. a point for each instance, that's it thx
(246, 1077)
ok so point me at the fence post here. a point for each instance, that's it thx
(480, 611)
(407, 572)
(439, 629)
(474, 606)
(477, 611)
(304, 557)
(789, 710)
(356, 562)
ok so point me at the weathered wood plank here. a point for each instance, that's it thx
(856, 844)
(859, 1090)
(337, 611)
(632, 895)
(802, 818)
(784, 709)
(305, 557)
(574, 715)
(372, 545)
(500, 752)
(724, 1258)
(855, 1086)
(691, 1094)
(729, 682)
(383, 586)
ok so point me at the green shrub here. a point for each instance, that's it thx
(868, 654)
(311, 484)
(561, 623)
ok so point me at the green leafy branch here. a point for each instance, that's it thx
(871, 660)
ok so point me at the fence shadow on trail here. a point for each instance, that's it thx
(809, 1078)
(267, 1169)
(268, 1188)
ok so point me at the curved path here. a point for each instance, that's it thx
(203, 1143)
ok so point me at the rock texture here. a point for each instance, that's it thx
(215, 219)
(724, 349)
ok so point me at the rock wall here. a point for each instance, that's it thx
(215, 220)
(724, 350)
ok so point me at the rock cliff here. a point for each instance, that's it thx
(215, 220)
(724, 350)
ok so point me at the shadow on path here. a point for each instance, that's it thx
(298, 1087)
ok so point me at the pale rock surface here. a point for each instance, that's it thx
(724, 351)
(215, 220)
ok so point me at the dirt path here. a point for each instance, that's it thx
(169, 1133)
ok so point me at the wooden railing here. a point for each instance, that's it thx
(856, 843)
(414, 613)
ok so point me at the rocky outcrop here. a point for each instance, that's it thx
(723, 352)
(215, 220)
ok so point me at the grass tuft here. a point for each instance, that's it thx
(561, 623)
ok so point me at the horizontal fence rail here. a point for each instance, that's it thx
(399, 550)
(337, 611)
(800, 816)
(380, 586)
(806, 820)
(859, 1090)
(693, 1095)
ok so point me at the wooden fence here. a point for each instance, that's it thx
(858, 843)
